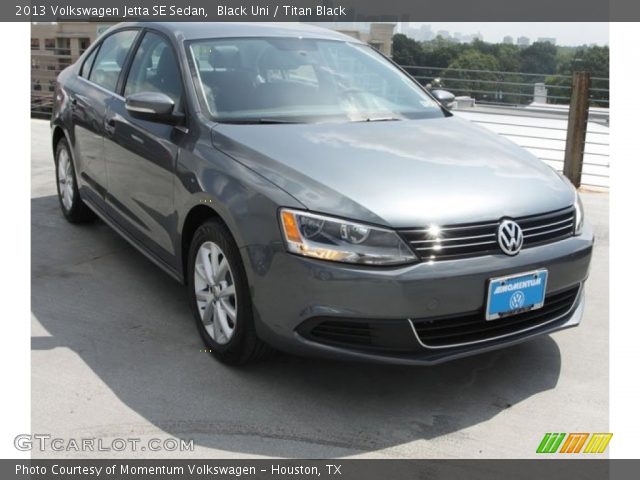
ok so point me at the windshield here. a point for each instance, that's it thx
(248, 80)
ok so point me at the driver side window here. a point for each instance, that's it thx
(155, 69)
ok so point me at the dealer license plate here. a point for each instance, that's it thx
(516, 294)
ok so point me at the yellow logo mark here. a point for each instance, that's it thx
(598, 443)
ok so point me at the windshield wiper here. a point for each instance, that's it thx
(257, 121)
(379, 119)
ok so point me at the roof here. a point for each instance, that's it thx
(199, 30)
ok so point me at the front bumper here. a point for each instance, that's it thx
(292, 295)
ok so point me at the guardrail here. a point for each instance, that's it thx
(509, 88)
(45, 67)
(546, 136)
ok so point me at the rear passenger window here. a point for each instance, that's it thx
(86, 66)
(110, 60)
(155, 69)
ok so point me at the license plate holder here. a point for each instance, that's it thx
(513, 294)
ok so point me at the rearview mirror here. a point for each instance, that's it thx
(444, 97)
(152, 106)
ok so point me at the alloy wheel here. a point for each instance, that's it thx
(65, 179)
(215, 291)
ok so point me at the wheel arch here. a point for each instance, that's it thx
(58, 132)
(57, 135)
(196, 216)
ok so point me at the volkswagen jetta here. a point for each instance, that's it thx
(313, 196)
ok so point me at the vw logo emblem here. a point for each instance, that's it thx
(510, 237)
(517, 300)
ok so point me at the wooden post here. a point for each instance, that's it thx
(577, 127)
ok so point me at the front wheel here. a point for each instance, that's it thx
(219, 296)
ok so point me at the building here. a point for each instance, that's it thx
(422, 34)
(524, 41)
(378, 35)
(550, 40)
(54, 46)
(508, 40)
(64, 38)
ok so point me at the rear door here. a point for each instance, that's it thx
(90, 96)
(141, 155)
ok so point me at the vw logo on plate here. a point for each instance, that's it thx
(517, 300)
(510, 237)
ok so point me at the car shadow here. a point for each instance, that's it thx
(130, 323)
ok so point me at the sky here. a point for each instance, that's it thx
(566, 33)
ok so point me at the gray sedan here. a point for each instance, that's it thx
(313, 197)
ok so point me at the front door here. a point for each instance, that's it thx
(141, 155)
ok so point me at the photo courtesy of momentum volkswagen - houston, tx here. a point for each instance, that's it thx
(313, 197)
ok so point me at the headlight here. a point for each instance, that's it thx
(577, 205)
(579, 215)
(339, 240)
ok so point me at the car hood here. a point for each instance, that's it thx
(399, 173)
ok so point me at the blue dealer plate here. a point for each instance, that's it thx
(516, 294)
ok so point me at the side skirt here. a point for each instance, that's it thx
(135, 243)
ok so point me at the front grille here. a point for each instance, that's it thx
(456, 241)
(473, 327)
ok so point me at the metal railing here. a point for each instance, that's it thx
(508, 88)
(45, 67)
(545, 137)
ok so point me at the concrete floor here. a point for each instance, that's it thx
(115, 353)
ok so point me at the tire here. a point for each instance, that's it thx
(73, 208)
(219, 296)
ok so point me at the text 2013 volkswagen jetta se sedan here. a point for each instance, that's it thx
(313, 197)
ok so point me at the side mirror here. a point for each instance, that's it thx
(444, 97)
(152, 106)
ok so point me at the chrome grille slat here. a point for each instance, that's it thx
(456, 238)
(461, 227)
(547, 225)
(434, 248)
(452, 241)
(546, 232)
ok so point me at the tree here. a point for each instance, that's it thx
(505, 81)
(508, 58)
(440, 52)
(406, 51)
(476, 84)
(594, 60)
(540, 57)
